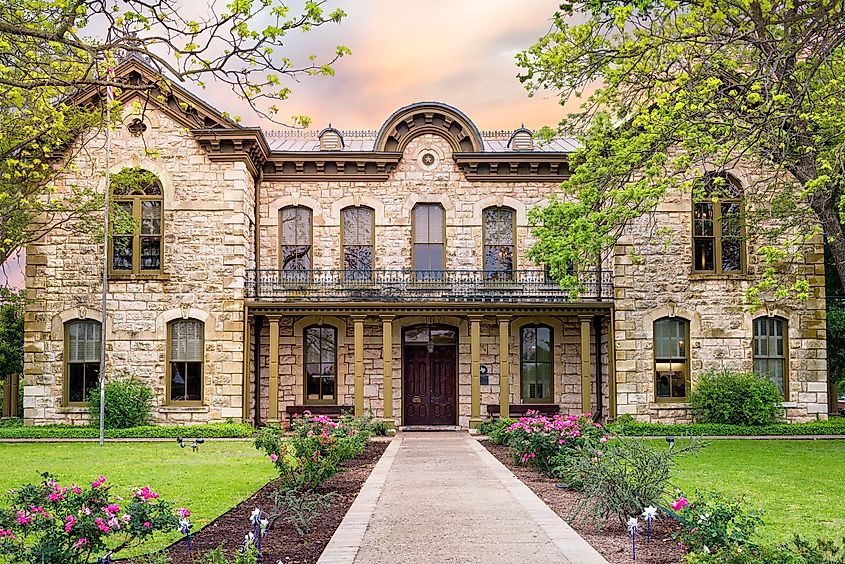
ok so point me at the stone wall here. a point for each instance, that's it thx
(208, 226)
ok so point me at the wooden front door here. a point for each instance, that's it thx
(429, 392)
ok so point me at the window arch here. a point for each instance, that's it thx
(296, 239)
(671, 358)
(429, 249)
(320, 354)
(136, 228)
(186, 354)
(718, 225)
(357, 226)
(769, 350)
(536, 367)
(82, 359)
(499, 243)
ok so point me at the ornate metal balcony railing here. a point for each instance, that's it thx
(421, 286)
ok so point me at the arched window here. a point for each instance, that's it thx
(537, 364)
(499, 243)
(186, 352)
(769, 350)
(671, 358)
(296, 239)
(429, 252)
(82, 360)
(718, 230)
(320, 349)
(358, 226)
(137, 224)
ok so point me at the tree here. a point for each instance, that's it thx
(680, 87)
(53, 50)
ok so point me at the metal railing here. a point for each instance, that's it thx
(422, 286)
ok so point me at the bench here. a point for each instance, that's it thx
(520, 409)
(331, 411)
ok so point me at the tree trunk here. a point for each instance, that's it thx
(823, 206)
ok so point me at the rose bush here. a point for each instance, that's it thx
(48, 522)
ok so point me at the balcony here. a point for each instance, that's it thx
(517, 286)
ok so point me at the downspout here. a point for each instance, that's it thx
(258, 320)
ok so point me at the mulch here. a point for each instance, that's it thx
(609, 537)
(281, 542)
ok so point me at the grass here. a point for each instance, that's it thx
(799, 484)
(210, 481)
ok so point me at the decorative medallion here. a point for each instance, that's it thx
(137, 127)
(428, 159)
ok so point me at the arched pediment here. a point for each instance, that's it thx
(429, 117)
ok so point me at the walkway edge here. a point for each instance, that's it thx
(570, 543)
(344, 544)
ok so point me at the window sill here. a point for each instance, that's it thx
(674, 404)
(183, 409)
(72, 409)
(720, 276)
(132, 276)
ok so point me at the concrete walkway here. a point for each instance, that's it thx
(441, 497)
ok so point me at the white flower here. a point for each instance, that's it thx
(248, 539)
(633, 524)
(184, 526)
(256, 516)
(650, 512)
(706, 550)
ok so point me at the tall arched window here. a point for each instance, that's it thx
(320, 349)
(536, 355)
(137, 224)
(429, 227)
(499, 243)
(82, 360)
(671, 358)
(296, 239)
(358, 226)
(186, 352)
(769, 350)
(718, 230)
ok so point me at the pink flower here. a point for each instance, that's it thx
(679, 503)
(81, 542)
(183, 512)
(102, 525)
(274, 457)
(85, 510)
(113, 508)
(71, 521)
(76, 490)
(603, 440)
(147, 524)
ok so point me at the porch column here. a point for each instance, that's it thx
(387, 355)
(611, 362)
(273, 407)
(359, 363)
(585, 364)
(7, 395)
(247, 350)
(13, 407)
(504, 366)
(475, 378)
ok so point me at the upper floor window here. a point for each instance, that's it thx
(357, 226)
(499, 243)
(536, 366)
(320, 364)
(769, 350)
(82, 359)
(136, 228)
(429, 228)
(718, 238)
(185, 380)
(671, 358)
(296, 239)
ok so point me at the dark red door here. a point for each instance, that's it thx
(429, 392)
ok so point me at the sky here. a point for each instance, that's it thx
(460, 52)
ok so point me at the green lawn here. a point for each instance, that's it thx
(800, 485)
(208, 482)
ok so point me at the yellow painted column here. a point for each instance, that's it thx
(245, 382)
(611, 363)
(504, 367)
(273, 407)
(359, 363)
(7, 395)
(475, 366)
(586, 401)
(387, 355)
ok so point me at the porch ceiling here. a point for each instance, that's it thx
(423, 308)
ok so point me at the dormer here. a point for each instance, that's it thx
(521, 140)
(330, 139)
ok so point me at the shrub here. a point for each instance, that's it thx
(537, 440)
(714, 523)
(798, 551)
(69, 525)
(623, 476)
(206, 431)
(129, 403)
(496, 429)
(833, 426)
(735, 398)
(300, 508)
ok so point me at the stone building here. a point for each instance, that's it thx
(267, 273)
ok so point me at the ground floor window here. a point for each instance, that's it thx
(186, 361)
(536, 364)
(769, 350)
(82, 359)
(671, 358)
(320, 344)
